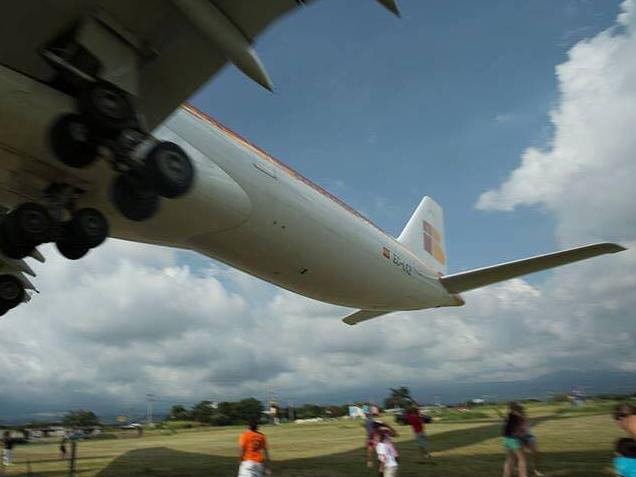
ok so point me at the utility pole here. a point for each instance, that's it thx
(150, 398)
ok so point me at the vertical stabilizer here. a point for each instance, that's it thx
(424, 235)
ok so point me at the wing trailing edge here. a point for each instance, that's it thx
(469, 280)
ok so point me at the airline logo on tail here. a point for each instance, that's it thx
(432, 242)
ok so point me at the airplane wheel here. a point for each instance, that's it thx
(106, 107)
(11, 291)
(89, 227)
(171, 169)
(29, 224)
(72, 141)
(71, 249)
(134, 198)
(11, 249)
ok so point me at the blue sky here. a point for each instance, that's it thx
(517, 116)
(441, 102)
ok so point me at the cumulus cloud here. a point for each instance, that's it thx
(585, 177)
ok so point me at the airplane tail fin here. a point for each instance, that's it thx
(424, 235)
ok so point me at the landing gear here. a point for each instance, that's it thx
(86, 230)
(11, 292)
(89, 227)
(24, 228)
(71, 249)
(135, 197)
(106, 107)
(171, 169)
(73, 142)
(107, 125)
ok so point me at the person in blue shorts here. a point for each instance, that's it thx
(512, 431)
(625, 460)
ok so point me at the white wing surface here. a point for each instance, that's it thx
(178, 44)
(469, 280)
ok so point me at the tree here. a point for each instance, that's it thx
(80, 418)
(249, 410)
(180, 413)
(203, 412)
(309, 411)
(400, 397)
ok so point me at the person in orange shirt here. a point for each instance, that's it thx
(625, 416)
(254, 458)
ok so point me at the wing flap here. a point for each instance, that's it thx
(363, 315)
(469, 280)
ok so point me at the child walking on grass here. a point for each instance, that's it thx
(387, 455)
(625, 460)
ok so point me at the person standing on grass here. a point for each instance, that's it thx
(63, 443)
(529, 442)
(8, 447)
(513, 429)
(625, 417)
(387, 455)
(370, 429)
(253, 454)
(414, 419)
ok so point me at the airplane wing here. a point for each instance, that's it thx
(362, 315)
(469, 280)
(172, 46)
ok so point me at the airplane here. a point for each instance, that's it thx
(96, 141)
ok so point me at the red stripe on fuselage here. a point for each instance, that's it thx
(279, 164)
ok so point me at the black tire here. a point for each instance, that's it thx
(72, 141)
(11, 291)
(11, 249)
(134, 198)
(106, 107)
(171, 169)
(89, 227)
(70, 249)
(28, 224)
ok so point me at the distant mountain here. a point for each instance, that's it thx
(591, 382)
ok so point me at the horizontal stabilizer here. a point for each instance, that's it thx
(363, 315)
(464, 281)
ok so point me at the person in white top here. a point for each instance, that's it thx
(388, 456)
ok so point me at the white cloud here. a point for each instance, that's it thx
(585, 177)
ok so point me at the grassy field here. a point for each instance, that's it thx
(576, 444)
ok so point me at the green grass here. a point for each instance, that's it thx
(577, 445)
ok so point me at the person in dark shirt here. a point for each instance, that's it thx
(512, 431)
